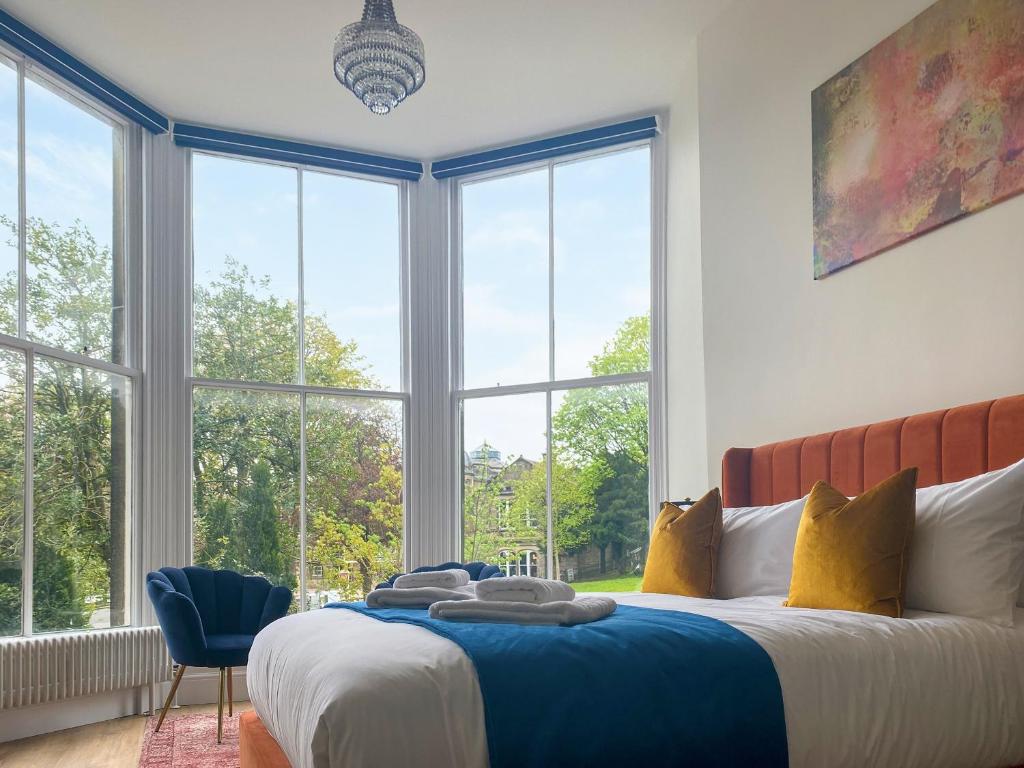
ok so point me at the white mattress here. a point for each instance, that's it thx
(336, 688)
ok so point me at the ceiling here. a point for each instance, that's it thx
(497, 71)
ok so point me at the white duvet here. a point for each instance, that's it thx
(336, 688)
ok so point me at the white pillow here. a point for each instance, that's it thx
(967, 554)
(755, 556)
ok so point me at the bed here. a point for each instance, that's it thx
(336, 688)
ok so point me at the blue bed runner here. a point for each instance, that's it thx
(641, 687)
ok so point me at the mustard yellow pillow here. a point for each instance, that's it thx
(684, 548)
(852, 555)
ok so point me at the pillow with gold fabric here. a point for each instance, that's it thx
(852, 554)
(684, 548)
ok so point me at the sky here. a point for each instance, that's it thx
(602, 257)
(512, 424)
(69, 176)
(8, 170)
(351, 261)
(69, 165)
(350, 246)
(351, 250)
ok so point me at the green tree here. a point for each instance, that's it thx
(595, 421)
(56, 603)
(598, 471)
(628, 351)
(353, 462)
(216, 543)
(572, 504)
(484, 535)
(74, 302)
(10, 601)
(354, 492)
(620, 516)
(244, 332)
(259, 520)
(600, 438)
(246, 460)
(12, 463)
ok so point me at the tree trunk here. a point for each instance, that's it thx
(603, 564)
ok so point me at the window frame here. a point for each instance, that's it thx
(302, 390)
(127, 235)
(654, 377)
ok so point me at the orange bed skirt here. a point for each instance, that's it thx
(256, 747)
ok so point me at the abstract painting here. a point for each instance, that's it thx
(926, 127)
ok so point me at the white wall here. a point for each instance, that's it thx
(934, 323)
(687, 429)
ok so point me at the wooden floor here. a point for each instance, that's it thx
(110, 744)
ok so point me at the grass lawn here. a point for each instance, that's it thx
(618, 584)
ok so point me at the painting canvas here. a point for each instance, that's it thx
(926, 127)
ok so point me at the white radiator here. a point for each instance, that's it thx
(45, 668)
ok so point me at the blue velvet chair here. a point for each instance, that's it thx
(209, 619)
(477, 571)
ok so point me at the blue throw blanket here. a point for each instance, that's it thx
(641, 687)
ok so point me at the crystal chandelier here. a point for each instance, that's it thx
(378, 59)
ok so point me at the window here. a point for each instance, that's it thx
(298, 402)
(504, 514)
(554, 367)
(66, 381)
(505, 563)
(528, 563)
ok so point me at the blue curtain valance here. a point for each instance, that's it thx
(265, 148)
(543, 149)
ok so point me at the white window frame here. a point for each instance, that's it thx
(301, 389)
(131, 244)
(654, 378)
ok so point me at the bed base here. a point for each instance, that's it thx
(257, 748)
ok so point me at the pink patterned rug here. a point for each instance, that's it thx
(190, 741)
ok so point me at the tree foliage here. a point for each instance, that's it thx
(79, 431)
(246, 453)
(12, 464)
(598, 421)
(602, 432)
(246, 459)
(599, 470)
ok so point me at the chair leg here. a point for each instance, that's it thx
(231, 694)
(170, 696)
(220, 707)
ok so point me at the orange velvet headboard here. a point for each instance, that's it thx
(945, 446)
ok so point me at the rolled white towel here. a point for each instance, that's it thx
(523, 589)
(449, 579)
(564, 612)
(415, 597)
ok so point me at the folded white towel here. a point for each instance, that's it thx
(524, 589)
(415, 597)
(564, 612)
(449, 579)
